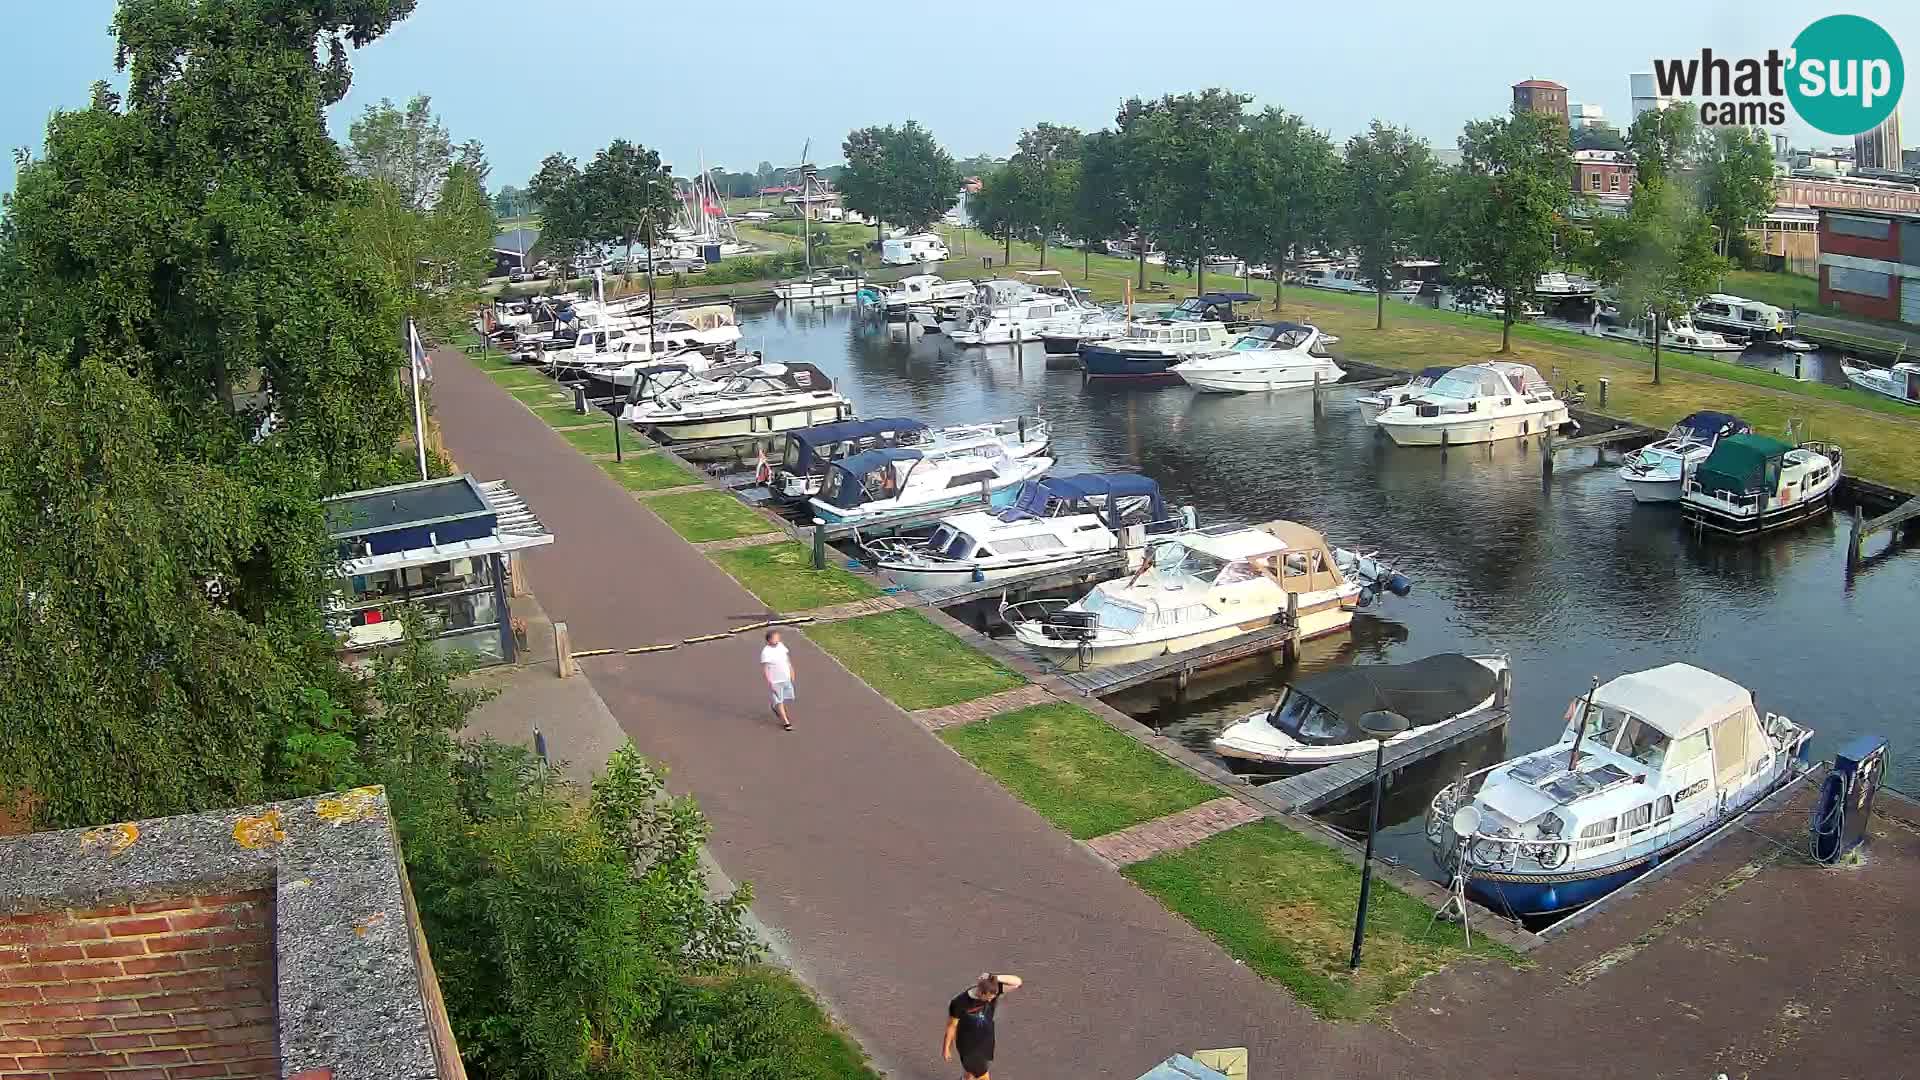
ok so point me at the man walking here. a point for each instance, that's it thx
(970, 1023)
(777, 666)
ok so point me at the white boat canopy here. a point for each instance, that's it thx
(1677, 699)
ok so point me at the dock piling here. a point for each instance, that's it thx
(1319, 407)
(1604, 385)
(563, 651)
(1546, 457)
(819, 545)
(1854, 540)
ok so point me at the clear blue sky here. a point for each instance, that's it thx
(744, 81)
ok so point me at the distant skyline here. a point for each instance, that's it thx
(755, 81)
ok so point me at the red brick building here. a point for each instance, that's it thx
(1603, 172)
(1870, 263)
(1541, 96)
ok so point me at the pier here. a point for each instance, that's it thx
(1096, 682)
(1864, 339)
(1897, 521)
(1083, 572)
(1315, 789)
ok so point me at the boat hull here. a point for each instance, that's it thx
(1314, 624)
(1102, 362)
(1715, 519)
(999, 493)
(1258, 380)
(920, 578)
(784, 419)
(1652, 489)
(1463, 432)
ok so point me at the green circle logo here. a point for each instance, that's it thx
(1846, 76)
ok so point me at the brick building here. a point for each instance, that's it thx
(1870, 263)
(1541, 96)
(1603, 172)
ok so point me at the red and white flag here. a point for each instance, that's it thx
(762, 471)
(422, 363)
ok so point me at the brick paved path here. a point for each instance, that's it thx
(980, 708)
(1190, 826)
(894, 870)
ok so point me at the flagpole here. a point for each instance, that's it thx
(419, 417)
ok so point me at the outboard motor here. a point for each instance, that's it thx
(1399, 584)
(1845, 806)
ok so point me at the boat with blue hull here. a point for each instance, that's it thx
(1149, 349)
(1651, 763)
(889, 483)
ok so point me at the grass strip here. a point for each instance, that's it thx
(1077, 771)
(910, 661)
(517, 377)
(782, 575)
(1284, 905)
(756, 1021)
(648, 472)
(706, 515)
(563, 416)
(596, 438)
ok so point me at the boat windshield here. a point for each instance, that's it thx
(1307, 720)
(1271, 337)
(1114, 614)
(957, 545)
(1643, 743)
(1456, 385)
(1172, 561)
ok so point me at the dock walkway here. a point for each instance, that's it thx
(1100, 681)
(1314, 789)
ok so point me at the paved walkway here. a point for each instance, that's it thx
(893, 869)
(1184, 829)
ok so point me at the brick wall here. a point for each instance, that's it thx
(166, 990)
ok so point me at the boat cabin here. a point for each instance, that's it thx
(1462, 389)
(1118, 499)
(1726, 311)
(1283, 335)
(811, 450)
(1751, 468)
(881, 475)
(1325, 709)
(1210, 307)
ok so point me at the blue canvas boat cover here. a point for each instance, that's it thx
(1713, 425)
(1106, 494)
(809, 440)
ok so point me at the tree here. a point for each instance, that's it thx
(1380, 189)
(1660, 255)
(629, 193)
(1174, 146)
(410, 150)
(1664, 142)
(866, 187)
(1735, 183)
(1048, 161)
(565, 214)
(1102, 208)
(923, 181)
(996, 206)
(1279, 174)
(512, 202)
(1599, 137)
(1504, 202)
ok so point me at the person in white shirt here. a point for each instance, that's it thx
(777, 666)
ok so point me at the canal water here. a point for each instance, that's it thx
(1571, 582)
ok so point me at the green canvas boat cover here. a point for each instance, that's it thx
(1739, 463)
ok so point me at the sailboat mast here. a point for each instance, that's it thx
(1580, 733)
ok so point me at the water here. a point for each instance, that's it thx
(1572, 582)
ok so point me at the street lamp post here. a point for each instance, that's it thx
(1380, 726)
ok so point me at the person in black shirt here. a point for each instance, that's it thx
(970, 1023)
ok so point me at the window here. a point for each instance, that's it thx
(1295, 564)
(1602, 724)
(1663, 808)
(1613, 182)
(1598, 834)
(1688, 748)
(970, 479)
(1113, 614)
(1635, 820)
(1860, 282)
(1866, 227)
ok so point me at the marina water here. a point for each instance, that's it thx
(1572, 582)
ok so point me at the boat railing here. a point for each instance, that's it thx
(1742, 500)
(1035, 611)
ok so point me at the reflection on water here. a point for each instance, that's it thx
(1571, 582)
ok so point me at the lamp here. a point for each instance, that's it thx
(1381, 726)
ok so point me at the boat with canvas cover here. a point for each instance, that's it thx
(888, 483)
(1649, 764)
(1316, 720)
(1657, 472)
(1269, 356)
(1053, 522)
(1752, 484)
(1478, 403)
(759, 400)
(1203, 586)
(810, 451)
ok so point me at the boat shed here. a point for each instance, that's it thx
(439, 548)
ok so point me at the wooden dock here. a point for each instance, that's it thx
(1309, 791)
(1096, 682)
(1622, 435)
(1897, 520)
(1865, 339)
(1098, 568)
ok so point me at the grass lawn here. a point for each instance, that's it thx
(596, 438)
(648, 472)
(517, 377)
(562, 416)
(782, 576)
(1076, 771)
(914, 663)
(1781, 290)
(707, 515)
(1284, 905)
(544, 395)
(1877, 434)
(757, 1020)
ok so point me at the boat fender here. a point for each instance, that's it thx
(1399, 584)
(1503, 688)
(1366, 597)
(979, 575)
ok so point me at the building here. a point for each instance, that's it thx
(1812, 191)
(1541, 96)
(1870, 263)
(1587, 115)
(512, 250)
(1603, 172)
(439, 548)
(1790, 239)
(1646, 95)
(270, 942)
(1880, 147)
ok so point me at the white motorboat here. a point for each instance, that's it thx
(762, 399)
(1204, 586)
(1269, 356)
(923, 289)
(1149, 348)
(1736, 314)
(901, 480)
(1559, 285)
(1054, 521)
(825, 285)
(1336, 279)
(811, 451)
(1751, 484)
(1649, 763)
(1657, 473)
(1026, 320)
(1373, 404)
(1480, 300)
(1478, 403)
(1316, 720)
(1679, 335)
(1901, 382)
(1110, 322)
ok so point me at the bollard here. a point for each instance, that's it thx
(819, 544)
(617, 455)
(580, 398)
(1022, 421)
(1318, 408)
(1796, 365)
(540, 746)
(563, 651)
(1853, 541)
(1546, 457)
(1444, 440)
(1604, 383)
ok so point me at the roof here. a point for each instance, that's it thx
(1089, 485)
(1228, 297)
(516, 241)
(514, 528)
(1294, 535)
(868, 460)
(1246, 541)
(821, 434)
(1709, 425)
(1679, 699)
(1425, 691)
(1539, 84)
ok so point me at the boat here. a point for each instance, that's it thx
(1149, 348)
(1039, 303)
(824, 285)
(922, 289)
(1477, 403)
(1316, 719)
(1679, 335)
(1737, 314)
(1559, 285)
(1053, 521)
(1901, 382)
(1336, 279)
(1752, 484)
(1480, 300)
(1650, 763)
(1204, 586)
(903, 480)
(1269, 356)
(759, 400)
(1656, 473)
(1373, 404)
(1109, 322)
(811, 451)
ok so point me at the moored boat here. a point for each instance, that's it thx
(824, 285)
(1373, 404)
(903, 480)
(1149, 348)
(760, 400)
(1477, 403)
(1269, 356)
(1752, 484)
(1658, 472)
(1901, 382)
(1649, 764)
(810, 452)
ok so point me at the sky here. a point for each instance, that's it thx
(738, 83)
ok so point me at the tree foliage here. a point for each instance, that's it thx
(1280, 175)
(1048, 165)
(1381, 188)
(898, 174)
(1660, 255)
(1503, 204)
(410, 150)
(1174, 147)
(622, 192)
(996, 207)
(1599, 137)
(1103, 207)
(1664, 142)
(1735, 182)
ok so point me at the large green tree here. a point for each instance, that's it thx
(1103, 208)
(1504, 203)
(1381, 187)
(621, 194)
(997, 206)
(1665, 142)
(1175, 146)
(1660, 256)
(411, 150)
(1280, 176)
(1735, 183)
(1048, 159)
(867, 186)
(898, 174)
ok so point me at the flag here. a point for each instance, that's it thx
(762, 471)
(422, 363)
